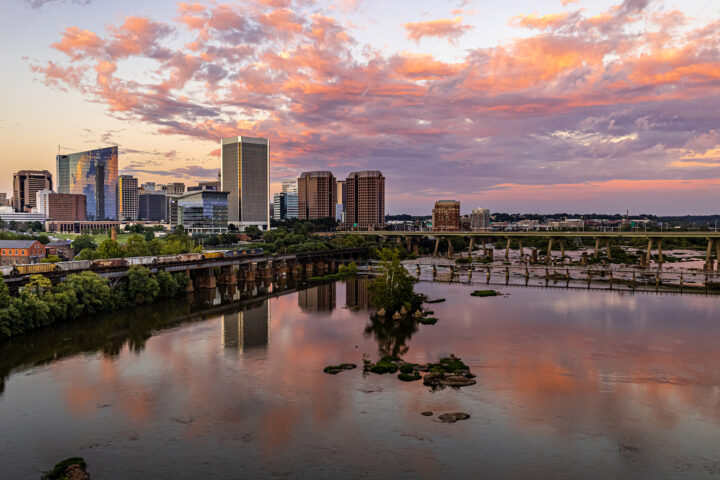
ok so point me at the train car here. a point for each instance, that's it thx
(256, 251)
(190, 257)
(108, 263)
(141, 260)
(36, 268)
(75, 265)
(161, 259)
(213, 255)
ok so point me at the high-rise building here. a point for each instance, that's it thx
(62, 206)
(127, 198)
(205, 211)
(317, 195)
(4, 200)
(94, 174)
(26, 184)
(365, 200)
(280, 206)
(290, 189)
(246, 178)
(152, 206)
(446, 216)
(480, 219)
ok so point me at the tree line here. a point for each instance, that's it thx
(41, 304)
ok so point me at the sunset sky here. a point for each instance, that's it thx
(531, 106)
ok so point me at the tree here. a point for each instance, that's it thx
(82, 242)
(149, 235)
(86, 254)
(136, 247)
(4, 294)
(50, 259)
(92, 291)
(109, 248)
(142, 287)
(394, 287)
(168, 285)
(155, 246)
(38, 284)
(253, 231)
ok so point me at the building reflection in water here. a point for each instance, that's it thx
(357, 296)
(247, 328)
(317, 299)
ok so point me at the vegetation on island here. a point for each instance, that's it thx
(73, 467)
(446, 372)
(394, 288)
(41, 304)
(485, 293)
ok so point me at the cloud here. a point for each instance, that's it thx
(36, 4)
(449, 29)
(577, 98)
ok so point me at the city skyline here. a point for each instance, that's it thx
(531, 107)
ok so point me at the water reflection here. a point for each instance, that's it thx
(356, 293)
(320, 298)
(571, 384)
(247, 328)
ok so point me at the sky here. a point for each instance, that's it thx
(534, 106)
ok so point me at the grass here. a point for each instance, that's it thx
(485, 293)
(122, 238)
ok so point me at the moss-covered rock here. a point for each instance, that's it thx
(335, 369)
(428, 320)
(409, 377)
(73, 467)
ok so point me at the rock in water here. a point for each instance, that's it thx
(427, 414)
(453, 417)
(403, 310)
(417, 314)
(381, 312)
(397, 316)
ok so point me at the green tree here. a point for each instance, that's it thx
(86, 254)
(149, 236)
(252, 231)
(168, 285)
(155, 246)
(142, 287)
(92, 292)
(109, 249)
(4, 294)
(38, 284)
(82, 242)
(394, 287)
(136, 246)
(50, 259)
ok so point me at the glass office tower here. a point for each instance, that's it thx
(94, 174)
(246, 178)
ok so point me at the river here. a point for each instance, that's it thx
(570, 384)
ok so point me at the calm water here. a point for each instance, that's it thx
(571, 383)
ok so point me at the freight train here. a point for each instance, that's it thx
(111, 263)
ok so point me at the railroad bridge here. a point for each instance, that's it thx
(203, 272)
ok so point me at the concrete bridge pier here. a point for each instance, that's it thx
(485, 252)
(409, 244)
(309, 269)
(533, 256)
(708, 257)
(597, 248)
(562, 250)
(437, 246)
(584, 259)
(522, 252)
(470, 248)
(507, 250)
(451, 251)
(189, 288)
(548, 256)
(487, 275)
(660, 254)
(206, 279)
(607, 249)
(649, 252)
(250, 273)
(227, 276)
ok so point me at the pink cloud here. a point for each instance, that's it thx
(449, 29)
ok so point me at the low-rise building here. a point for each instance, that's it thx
(80, 227)
(21, 252)
(62, 206)
(61, 248)
(8, 214)
(205, 211)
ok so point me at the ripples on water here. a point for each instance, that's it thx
(571, 384)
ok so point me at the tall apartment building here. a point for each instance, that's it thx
(246, 177)
(176, 188)
(127, 198)
(62, 206)
(4, 200)
(290, 189)
(480, 219)
(280, 206)
(446, 216)
(365, 200)
(26, 184)
(94, 174)
(317, 195)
